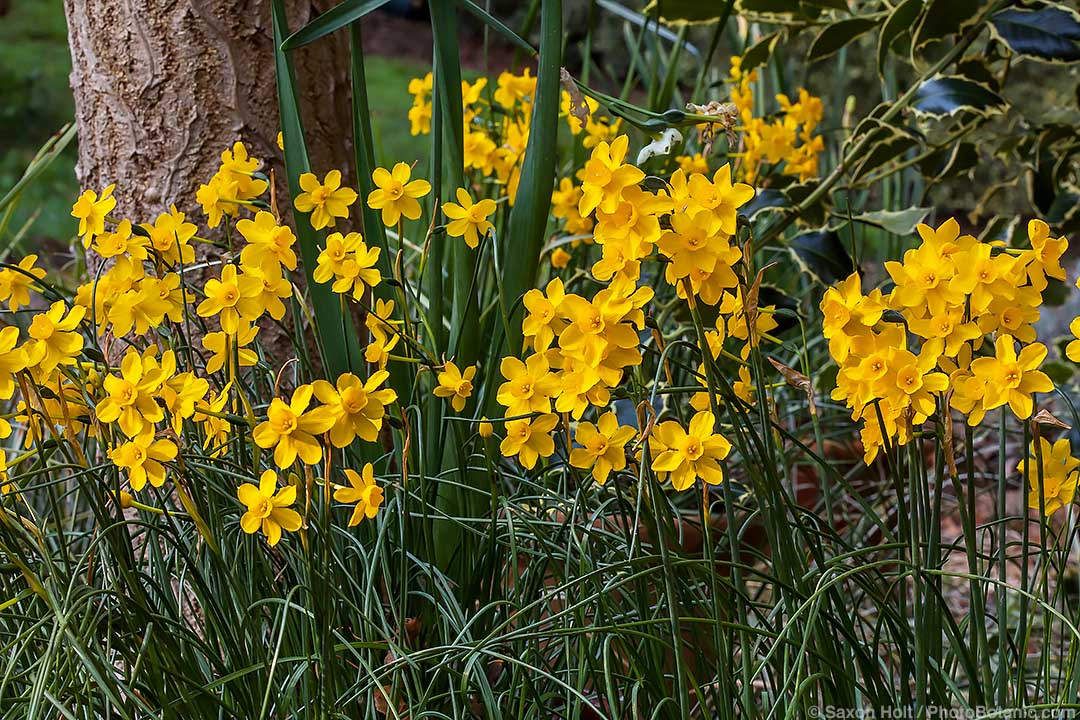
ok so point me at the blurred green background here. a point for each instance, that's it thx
(35, 102)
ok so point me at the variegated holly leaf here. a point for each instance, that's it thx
(898, 24)
(943, 18)
(838, 35)
(897, 222)
(759, 53)
(1049, 34)
(823, 255)
(948, 95)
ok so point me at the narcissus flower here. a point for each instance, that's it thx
(120, 242)
(142, 457)
(130, 400)
(268, 509)
(232, 299)
(602, 446)
(560, 258)
(693, 454)
(53, 340)
(1058, 486)
(267, 239)
(529, 439)
(1012, 378)
(469, 219)
(91, 211)
(529, 385)
(326, 201)
(455, 385)
(12, 360)
(350, 263)
(606, 176)
(290, 428)
(222, 344)
(15, 284)
(171, 237)
(361, 491)
(355, 408)
(395, 195)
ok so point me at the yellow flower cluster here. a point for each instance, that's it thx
(956, 331)
(115, 364)
(789, 142)
(234, 185)
(582, 347)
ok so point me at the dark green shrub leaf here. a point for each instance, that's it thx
(821, 254)
(950, 161)
(978, 69)
(814, 215)
(764, 200)
(1056, 293)
(677, 12)
(837, 35)
(770, 7)
(760, 52)
(1060, 372)
(833, 4)
(943, 18)
(885, 142)
(1049, 33)
(943, 96)
(899, 23)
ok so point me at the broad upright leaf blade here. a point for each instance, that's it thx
(528, 221)
(336, 337)
(349, 11)
(363, 147)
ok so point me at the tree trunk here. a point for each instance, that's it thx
(163, 86)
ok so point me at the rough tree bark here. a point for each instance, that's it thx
(163, 86)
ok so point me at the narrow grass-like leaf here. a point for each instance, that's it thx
(345, 13)
(43, 159)
(500, 27)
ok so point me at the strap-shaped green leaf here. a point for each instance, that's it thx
(336, 336)
(333, 19)
(948, 95)
(1049, 33)
(528, 221)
